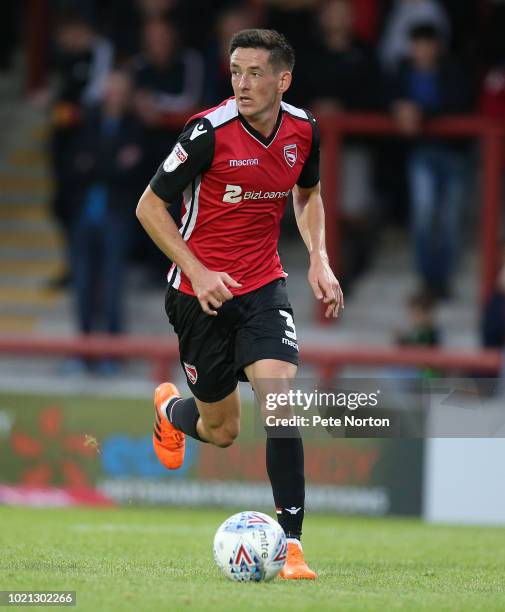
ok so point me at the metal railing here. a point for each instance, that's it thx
(163, 355)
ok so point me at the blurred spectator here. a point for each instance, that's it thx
(339, 73)
(125, 20)
(197, 18)
(422, 330)
(81, 62)
(217, 57)
(153, 10)
(106, 161)
(429, 84)
(168, 78)
(405, 15)
(291, 17)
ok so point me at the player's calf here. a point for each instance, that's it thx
(222, 435)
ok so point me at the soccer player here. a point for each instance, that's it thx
(227, 302)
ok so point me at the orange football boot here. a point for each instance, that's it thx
(295, 567)
(169, 443)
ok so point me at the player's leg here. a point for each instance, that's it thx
(284, 456)
(206, 350)
(215, 422)
(285, 462)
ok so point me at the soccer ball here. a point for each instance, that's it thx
(250, 547)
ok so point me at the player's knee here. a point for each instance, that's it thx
(226, 435)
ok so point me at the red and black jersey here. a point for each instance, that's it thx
(235, 185)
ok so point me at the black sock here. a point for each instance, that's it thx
(184, 415)
(285, 470)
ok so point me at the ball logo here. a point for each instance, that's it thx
(255, 519)
(191, 373)
(242, 556)
(282, 551)
(291, 154)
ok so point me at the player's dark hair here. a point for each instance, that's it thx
(282, 55)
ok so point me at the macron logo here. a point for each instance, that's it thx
(292, 510)
(198, 131)
(245, 162)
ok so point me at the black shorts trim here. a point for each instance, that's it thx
(209, 398)
(264, 355)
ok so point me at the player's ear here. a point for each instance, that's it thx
(284, 81)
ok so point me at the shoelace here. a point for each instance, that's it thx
(179, 436)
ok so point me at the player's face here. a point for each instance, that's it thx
(258, 88)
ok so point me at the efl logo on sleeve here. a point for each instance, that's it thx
(175, 159)
(180, 152)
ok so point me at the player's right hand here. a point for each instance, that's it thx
(211, 289)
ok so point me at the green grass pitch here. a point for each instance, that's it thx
(152, 559)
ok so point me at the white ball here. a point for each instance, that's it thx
(250, 546)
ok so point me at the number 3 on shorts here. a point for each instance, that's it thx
(290, 323)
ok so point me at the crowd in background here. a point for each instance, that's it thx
(120, 68)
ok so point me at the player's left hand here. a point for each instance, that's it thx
(325, 285)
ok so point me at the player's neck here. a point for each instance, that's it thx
(264, 123)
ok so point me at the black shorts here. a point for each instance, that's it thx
(214, 350)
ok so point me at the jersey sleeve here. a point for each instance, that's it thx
(309, 176)
(191, 155)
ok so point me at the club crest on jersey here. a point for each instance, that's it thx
(191, 372)
(291, 154)
(175, 159)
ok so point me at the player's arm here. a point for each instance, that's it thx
(191, 155)
(309, 214)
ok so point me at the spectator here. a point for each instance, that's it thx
(339, 73)
(217, 68)
(429, 84)
(422, 330)
(125, 20)
(291, 17)
(406, 14)
(168, 78)
(106, 161)
(81, 62)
